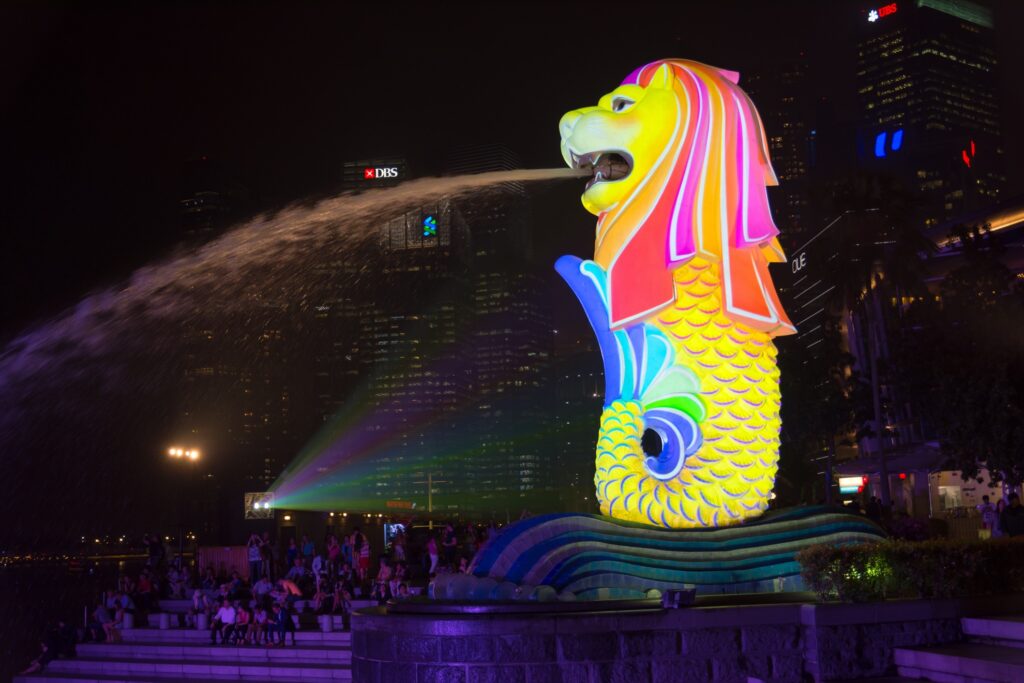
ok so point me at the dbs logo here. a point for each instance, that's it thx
(371, 173)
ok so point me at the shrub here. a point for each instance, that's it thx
(910, 529)
(926, 569)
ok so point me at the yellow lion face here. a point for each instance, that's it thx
(621, 139)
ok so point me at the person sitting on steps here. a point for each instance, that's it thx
(223, 623)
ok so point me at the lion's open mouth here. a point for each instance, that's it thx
(606, 166)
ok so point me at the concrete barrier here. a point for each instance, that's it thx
(719, 638)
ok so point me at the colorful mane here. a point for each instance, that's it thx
(707, 196)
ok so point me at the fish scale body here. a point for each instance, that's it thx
(730, 477)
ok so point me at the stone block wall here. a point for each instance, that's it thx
(723, 645)
(856, 641)
(782, 643)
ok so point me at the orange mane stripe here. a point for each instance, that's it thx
(705, 195)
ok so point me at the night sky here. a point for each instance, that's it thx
(103, 106)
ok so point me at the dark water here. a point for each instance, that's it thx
(34, 596)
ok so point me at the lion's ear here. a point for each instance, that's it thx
(731, 76)
(662, 78)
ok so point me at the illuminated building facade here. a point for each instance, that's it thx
(238, 394)
(512, 468)
(781, 89)
(579, 397)
(209, 200)
(929, 112)
(445, 355)
(420, 382)
(389, 347)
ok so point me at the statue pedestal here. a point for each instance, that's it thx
(588, 557)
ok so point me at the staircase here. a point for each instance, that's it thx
(993, 652)
(162, 655)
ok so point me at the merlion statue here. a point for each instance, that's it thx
(680, 296)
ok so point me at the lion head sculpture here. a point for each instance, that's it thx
(680, 168)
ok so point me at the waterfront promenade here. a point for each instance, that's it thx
(164, 650)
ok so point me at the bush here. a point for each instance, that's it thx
(911, 529)
(927, 569)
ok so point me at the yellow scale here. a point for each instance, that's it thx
(732, 474)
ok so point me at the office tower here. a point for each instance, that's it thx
(929, 107)
(512, 345)
(781, 90)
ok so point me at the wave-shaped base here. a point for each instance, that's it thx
(579, 556)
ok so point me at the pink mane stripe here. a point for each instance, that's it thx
(754, 225)
(681, 245)
(713, 202)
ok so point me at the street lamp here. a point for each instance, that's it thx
(191, 455)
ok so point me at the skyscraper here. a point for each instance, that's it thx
(780, 87)
(929, 110)
(579, 401)
(209, 199)
(390, 348)
(511, 343)
(441, 353)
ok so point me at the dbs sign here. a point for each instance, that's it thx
(379, 172)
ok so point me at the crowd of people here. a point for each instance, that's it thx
(1002, 519)
(260, 609)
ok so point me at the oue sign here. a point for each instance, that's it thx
(380, 172)
(799, 262)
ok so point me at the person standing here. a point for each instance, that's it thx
(319, 567)
(398, 546)
(308, 550)
(333, 555)
(432, 552)
(450, 544)
(988, 517)
(255, 558)
(361, 551)
(1012, 519)
(997, 530)
(346, 550)
(292, 553)
(364, 559)
(266, 556)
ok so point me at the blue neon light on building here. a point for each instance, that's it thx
(894, 145)
(880, 144)
(897, 140)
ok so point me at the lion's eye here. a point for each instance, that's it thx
(621, 104)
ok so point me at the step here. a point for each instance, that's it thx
(177, 606)
(961, 662)
(306, 619)
(309, 654)
(64, 677)
(1008, 631)
(191, 635)
(201, 669)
